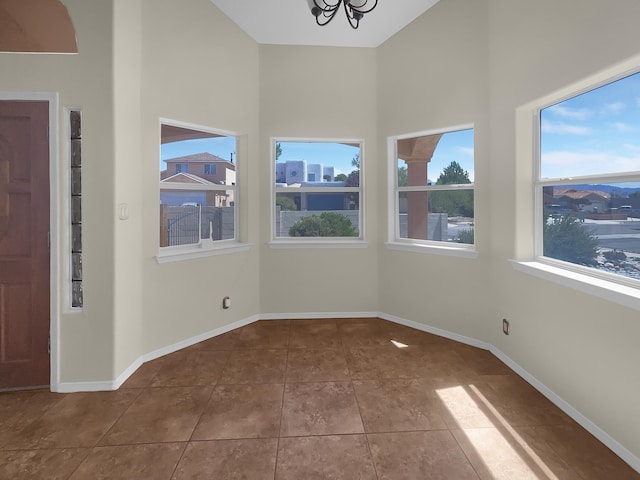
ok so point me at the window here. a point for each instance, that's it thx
(432, 177)
(75, 139)
(196, 214)
(588, 181)
(209, 169)
(317, 192)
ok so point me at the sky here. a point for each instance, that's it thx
(327, 154)
(456, 146)
(452, 147)
(593, 133)
(222, 147)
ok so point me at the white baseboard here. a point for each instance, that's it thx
(73, 387)
(601, 435)
(312, 315)
(436, 331)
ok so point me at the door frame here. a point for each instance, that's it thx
(55, 209)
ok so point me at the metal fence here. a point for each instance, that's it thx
(188, 224)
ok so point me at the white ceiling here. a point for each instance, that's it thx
(289, 22)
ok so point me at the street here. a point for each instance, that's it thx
(616, 234)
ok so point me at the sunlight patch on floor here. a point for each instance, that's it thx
(486, 434)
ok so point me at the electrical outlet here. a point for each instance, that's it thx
(226, 302)
(506, 328)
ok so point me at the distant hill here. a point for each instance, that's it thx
(617, 191)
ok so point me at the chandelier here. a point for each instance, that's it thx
(325, 10)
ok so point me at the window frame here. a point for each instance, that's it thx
(528, 233)
(318, 242)
(204, 247)
(539, 183)
(435, 247)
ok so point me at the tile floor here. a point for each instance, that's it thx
(304, 400)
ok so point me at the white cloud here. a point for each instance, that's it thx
(575, 164)
(574, 114)
(635, 149)
(615, 107)
(565, 128)
(623, 127)
(466, 150)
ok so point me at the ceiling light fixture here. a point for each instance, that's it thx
(325, 10)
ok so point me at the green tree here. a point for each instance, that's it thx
(341, 177)
(327, 224)
(286, 203)
(353, 180)
(402, 176)
(565, 238)
(278, 150)
(452, 202)
(453, 174)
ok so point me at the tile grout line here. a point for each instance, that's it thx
(140, 391)
(184, 449)
(213, 387)
(95, 445)
(364, 428)
(284, 388)
(3, 446)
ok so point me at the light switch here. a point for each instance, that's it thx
(123, 211)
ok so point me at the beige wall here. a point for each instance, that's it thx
(127, 85)
(197, 67)
(319, 92)
(434, 74)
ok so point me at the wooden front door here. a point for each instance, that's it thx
(24, 244)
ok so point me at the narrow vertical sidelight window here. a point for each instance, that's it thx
(75, 129)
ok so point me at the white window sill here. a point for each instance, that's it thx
(451, 251)
(621, 294)
(178, 254)
(315, 243)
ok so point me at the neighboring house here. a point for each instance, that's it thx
(298, 171)
(200, 168)
(582, 200)
(299, 174)
(216, 198)
(204, 165)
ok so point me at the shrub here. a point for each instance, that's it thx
(286, 203)
(328, 224)
(466, 236)
(567, 239)
(614, 255)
